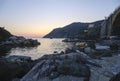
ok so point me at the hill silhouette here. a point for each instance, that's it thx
(72, 30)
(4, 34)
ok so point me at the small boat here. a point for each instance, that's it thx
(81, 44)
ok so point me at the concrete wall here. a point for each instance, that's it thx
(107, 25)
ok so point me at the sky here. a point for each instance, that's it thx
(36, 18)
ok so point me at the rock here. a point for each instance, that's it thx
(110, 41)
(114, 46)
(103, 78)
(16, 58)
(62, 52)
(68, 78)
(110, 67)
(73, 67)
(10, 70)
(91, 44)
(7, 39)
(87, 59)
(60, 64)
(60, 78)
(106, 53)
(8, 42)
(35, 42)
(18, 41)
(55, 52)
(89, 50)
(54, 75)
(68, 50)
(41, 69)
(99, 47)
(13, 38)
(27, 43)
(108, 74)
(100, 51)
(116, 77)
(69, 67)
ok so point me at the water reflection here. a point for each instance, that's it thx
(48, 46)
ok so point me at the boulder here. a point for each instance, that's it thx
(68, 50)
(54, 65)
(18, 41)
(89, 50)
(10, 70)
(69, 67)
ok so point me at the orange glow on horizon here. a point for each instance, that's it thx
(33, 29)
(30, 32)
(36, 18)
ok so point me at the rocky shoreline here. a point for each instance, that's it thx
(11, 68)
(73, 66)
(9, 40)
(19, 41)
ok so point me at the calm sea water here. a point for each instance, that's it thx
(48, 46)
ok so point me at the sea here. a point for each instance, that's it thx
(47, 46)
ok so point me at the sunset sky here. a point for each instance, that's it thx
(36, 18)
